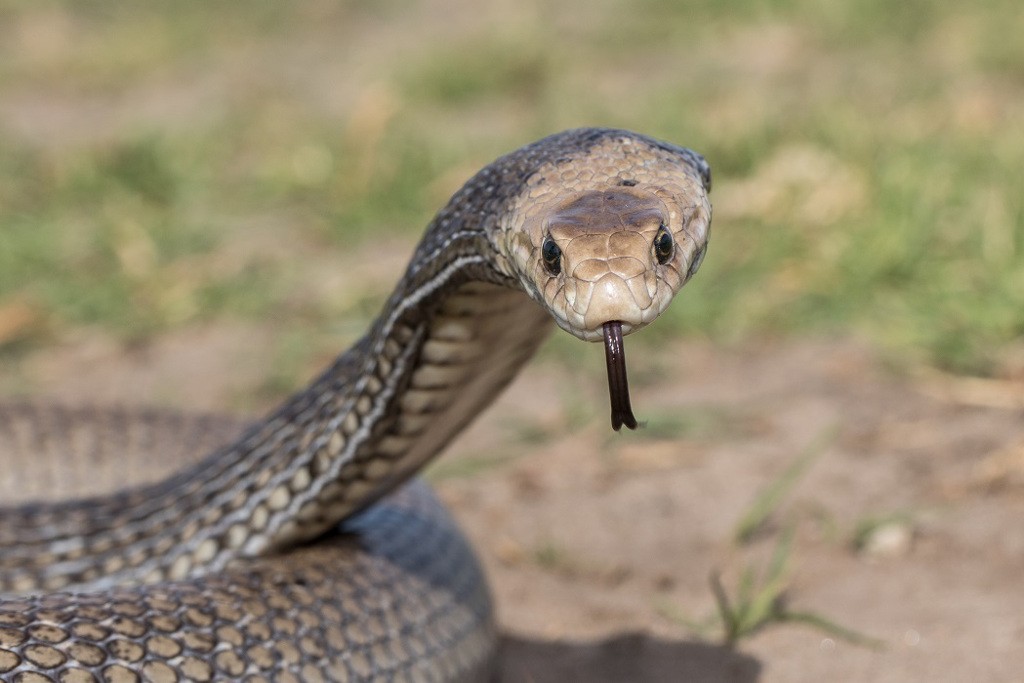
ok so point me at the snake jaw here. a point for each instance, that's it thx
(618, 384)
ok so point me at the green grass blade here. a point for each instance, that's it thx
(768, 501)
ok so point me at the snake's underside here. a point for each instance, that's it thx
(154, 546)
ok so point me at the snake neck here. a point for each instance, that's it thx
(452, 336)
(454, 333)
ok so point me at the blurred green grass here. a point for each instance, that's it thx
(165, 165)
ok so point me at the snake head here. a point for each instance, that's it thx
(611, 234)
(606, 236)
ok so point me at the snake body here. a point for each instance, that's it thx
(234, 566)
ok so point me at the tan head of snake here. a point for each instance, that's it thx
(234, 566)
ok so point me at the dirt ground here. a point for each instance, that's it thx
(594, 541)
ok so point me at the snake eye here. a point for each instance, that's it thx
(663, 245)
(552, 256)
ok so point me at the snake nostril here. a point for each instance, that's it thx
(552, 256)
(663, 245)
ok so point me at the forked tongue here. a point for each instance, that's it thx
(618, 385)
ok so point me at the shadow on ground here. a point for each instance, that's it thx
(627, 657)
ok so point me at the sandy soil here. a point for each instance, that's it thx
(594, 540)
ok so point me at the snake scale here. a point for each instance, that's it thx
(161, 547)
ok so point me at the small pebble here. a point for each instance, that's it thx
(888, 540)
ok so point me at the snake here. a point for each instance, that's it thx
(163, 546)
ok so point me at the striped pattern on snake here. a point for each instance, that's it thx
(284, 553)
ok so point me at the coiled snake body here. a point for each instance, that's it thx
(235, 567)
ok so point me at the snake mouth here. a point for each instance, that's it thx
(618, 385)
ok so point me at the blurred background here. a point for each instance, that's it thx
(202, 202)
(166, 165)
